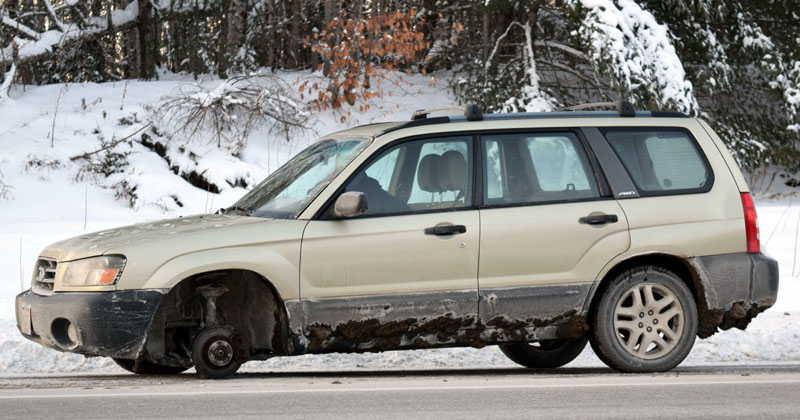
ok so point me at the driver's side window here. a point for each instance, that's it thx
(422, 175)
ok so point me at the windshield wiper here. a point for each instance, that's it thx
(235, 208)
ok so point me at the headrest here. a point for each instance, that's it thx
(453, 171)
(427, 175)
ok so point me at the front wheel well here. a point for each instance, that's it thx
(250, 304)
(675, 264)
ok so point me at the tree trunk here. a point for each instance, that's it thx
(147, 65)
(329, 11)
(223, 56)
(294, 33)
(485, 39)
(236, 28)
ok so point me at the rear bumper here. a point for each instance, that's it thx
(737, 287)
(111, 324)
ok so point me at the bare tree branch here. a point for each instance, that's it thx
(53, 14)
(573, 72)
(42, 44)
(112, 144)
(230, 111)
(6, 20)
(562, 47)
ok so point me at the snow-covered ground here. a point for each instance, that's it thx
(49, 203)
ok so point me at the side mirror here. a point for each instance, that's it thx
(350, 204)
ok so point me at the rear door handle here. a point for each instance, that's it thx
(446, 230)
(599, 219)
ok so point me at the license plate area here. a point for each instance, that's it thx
(25, 320)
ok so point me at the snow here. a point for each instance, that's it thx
(639, 51)
(52, 201)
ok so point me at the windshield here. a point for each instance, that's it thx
(288, 190)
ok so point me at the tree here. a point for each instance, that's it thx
(735, 63)
(357, 50)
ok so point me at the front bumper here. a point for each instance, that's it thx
(110, 324)
(737, 287)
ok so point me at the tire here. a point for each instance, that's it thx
(214, 353)
(144, 367)
(548, 354)
(645, 321)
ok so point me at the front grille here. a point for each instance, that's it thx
(44, 276)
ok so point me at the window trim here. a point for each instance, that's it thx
(710, 177)
(597, 174)
(478, 194)
(325, 212)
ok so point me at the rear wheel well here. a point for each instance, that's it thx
(675, 264)
(251, 305)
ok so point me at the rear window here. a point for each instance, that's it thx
(661, 160)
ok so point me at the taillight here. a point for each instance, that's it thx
(751, 224)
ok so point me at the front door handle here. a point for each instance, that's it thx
(446, 230)
(599, 219)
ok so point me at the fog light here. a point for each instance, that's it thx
(65, 333)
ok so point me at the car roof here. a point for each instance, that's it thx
(366, 130)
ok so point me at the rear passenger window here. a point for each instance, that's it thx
(536, 168)
(661, 161)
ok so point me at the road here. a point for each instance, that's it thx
(688, 393)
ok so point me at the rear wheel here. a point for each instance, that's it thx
(143, 367)
(645, 321)
(214, 353)
(546, 354)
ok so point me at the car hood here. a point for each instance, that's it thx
(97, 243)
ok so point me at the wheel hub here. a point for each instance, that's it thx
(648, 320)
(220, 353)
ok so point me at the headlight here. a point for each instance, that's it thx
(96, 271)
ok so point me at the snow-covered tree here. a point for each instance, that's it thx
(734, 62)
(741, 57)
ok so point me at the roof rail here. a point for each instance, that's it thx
(471, 111)
(625, 108)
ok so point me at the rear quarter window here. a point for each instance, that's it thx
(661, 161)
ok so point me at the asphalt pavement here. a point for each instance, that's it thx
(706, 392)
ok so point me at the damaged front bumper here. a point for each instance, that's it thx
(110, 324)
(737, 287)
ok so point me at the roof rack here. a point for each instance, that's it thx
(471, 111)
(625, 108)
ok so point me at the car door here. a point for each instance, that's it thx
(407, 269)
(548, 226)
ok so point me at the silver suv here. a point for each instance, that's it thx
(538, 232)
